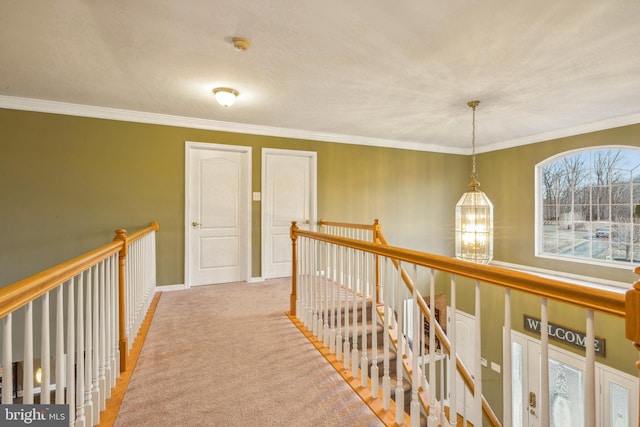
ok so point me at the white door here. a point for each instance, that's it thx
(465, 327)
(217, 229)
(288, 194)
(614, 395)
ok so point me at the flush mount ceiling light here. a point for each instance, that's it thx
(225, 96)
(474, 214)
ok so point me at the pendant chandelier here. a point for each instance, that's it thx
(474, 215)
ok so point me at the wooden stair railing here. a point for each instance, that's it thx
(590, 299)
(377, 236)
(112, 287)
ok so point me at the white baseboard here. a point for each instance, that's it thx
(255, 280)
(168, 288)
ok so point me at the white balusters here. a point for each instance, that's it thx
(27, 375)
(416, 353)
(354, 335)
(324, 274)
(88, 358)
(95, 345)
(346, 351)
(80, 355)
(340, 285)
(332, 285)
(113, 295)
(45, 353)
(507, 389)
(477, 395)
(453, 371)
(544, 364)
(364, 361)
(60, 356)
(374, 339)
(71, 350)
(7, 360)
(316, 287)
(432, 419)
(590, 374)
(400, 348)
(388, 307)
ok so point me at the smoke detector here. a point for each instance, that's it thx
(240, 44)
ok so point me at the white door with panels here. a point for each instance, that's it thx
(288, 194)
(217, 229)
(616, 392)
(465, 327)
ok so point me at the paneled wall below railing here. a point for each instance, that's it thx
(76, 323)
(332, 274)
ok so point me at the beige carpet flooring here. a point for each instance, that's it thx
(226, 355)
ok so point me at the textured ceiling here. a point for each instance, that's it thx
(359, 71)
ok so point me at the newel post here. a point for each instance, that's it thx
(121, 235)
(294, 266)
(377, 230)
(632, 315)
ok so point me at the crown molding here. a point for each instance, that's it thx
(55, 107)
(611, 123)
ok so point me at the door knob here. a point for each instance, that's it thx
(196, 224)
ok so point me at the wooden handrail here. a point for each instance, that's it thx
(324, 223)
(592, 299)
(19, 293)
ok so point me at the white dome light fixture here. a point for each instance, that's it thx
(225, 96)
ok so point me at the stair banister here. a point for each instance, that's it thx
(592, 299)
(82, 280)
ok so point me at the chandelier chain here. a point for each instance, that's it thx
(473, 105)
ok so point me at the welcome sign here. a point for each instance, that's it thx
(565, 335)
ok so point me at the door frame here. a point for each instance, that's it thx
(313, 182)
(190, 147)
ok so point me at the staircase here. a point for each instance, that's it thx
(364, 330)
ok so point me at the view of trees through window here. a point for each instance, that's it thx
(591, 205)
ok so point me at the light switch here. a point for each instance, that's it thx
(495, 367)
(256, 196)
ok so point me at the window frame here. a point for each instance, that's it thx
(539, 217)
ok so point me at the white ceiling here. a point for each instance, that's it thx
(357, 71)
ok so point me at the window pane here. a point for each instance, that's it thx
(566, 406)
(619, 404)
(517, 397)
(590, 205)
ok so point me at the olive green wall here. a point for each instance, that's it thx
(508, 180)
(67, 182)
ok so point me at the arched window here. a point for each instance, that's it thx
(588, 206)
